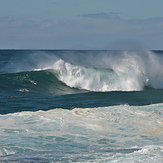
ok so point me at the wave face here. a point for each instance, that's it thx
(42, 82)
(101, 71)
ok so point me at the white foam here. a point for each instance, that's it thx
(119, 127)
(132, 71)
(4, 151)
(119, 119)
(23, 90)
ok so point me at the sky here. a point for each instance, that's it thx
(81, 24)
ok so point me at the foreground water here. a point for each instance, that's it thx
(81, 106)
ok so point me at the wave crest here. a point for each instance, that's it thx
(127, 71)
(98, 70)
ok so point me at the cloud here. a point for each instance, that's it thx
(110, 15)
(78, 33)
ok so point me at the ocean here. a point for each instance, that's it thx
(81, 106)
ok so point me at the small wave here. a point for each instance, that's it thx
(23, 90)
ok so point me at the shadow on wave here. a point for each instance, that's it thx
(80, 100)
(34, 83)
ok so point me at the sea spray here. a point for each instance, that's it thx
(124, 71)
(93, 79)
(97, 70)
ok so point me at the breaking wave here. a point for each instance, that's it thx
(102, 72)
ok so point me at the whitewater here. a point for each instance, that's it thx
(81, 106)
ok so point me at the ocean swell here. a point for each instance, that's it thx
(97, 71)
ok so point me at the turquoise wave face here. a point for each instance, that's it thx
(36, 83)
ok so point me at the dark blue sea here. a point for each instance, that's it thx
(81, 106)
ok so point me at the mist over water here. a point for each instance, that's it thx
(127, 44)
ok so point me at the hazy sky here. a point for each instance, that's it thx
(81, 24)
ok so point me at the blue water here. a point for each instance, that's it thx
(81, 106)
